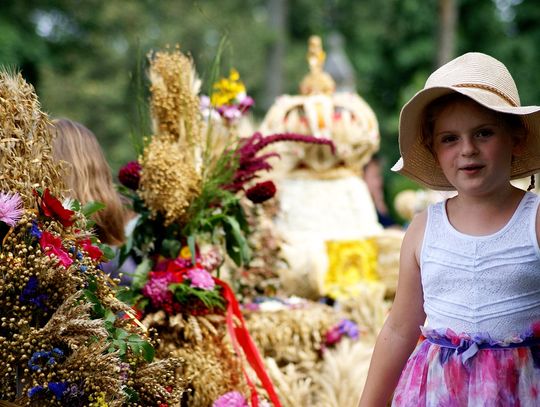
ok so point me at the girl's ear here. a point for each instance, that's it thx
(519, 145)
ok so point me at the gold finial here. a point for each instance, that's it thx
(316, 81)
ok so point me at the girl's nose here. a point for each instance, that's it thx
(468, 146)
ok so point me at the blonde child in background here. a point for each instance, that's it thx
(90, 180)
(469, 282)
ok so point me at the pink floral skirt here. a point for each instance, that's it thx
(450, 370)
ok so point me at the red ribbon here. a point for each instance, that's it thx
(240, 338)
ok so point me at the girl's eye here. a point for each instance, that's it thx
(482, 133)
(449, 138)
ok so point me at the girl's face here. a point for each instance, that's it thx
(473, 148)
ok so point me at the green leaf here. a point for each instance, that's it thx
(92, 207)
(235, 242)
(132, 394)
(75, 205)
(125, 294)
(140, 274)
(109, 316)
(122, 334)
(107, 251)
(122, 347)
(125, 250)
(148, 351)
(192, 248)
(171, 248)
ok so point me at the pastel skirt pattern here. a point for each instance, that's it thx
(450, 370)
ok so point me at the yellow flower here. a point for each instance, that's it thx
(185, 253)
(227, 89)
(350, 263)
(98, 401)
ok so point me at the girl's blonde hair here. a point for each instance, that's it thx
(90, 177)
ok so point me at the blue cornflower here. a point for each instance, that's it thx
(83, 268)
(34, 391)
(41, 358)
(59, 389)
(79, 256)
(30, 294)
(34, 230)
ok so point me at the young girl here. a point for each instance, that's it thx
(90, 177)
(469, 264)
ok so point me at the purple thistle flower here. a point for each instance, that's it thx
(11, 208)
(231, 399)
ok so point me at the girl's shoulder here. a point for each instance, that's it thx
(414, 236)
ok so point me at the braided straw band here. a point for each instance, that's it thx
(489, 89)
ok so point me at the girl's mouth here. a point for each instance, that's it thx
(471, 169)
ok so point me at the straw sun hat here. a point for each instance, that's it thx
(485, 80)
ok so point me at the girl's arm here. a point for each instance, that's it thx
(400, 332)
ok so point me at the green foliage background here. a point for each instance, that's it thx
(87, 58)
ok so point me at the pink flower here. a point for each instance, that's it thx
(332, 336)
(201, 278)
(231, 399)
(11, 208)
(52, 245)
(157, 289)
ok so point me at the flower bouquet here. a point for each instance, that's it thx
(65, 338)
(188, 198)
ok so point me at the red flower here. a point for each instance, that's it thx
(52, 207)
(130, 175)
(261, 192)
(51, 244)
(94, 252)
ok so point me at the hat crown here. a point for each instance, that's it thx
(477, 70)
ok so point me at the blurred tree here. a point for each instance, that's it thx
(87, 59)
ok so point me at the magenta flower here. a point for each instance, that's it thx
(11, 208)
(52, 245)
(157, 289)
(231, 399)
(333, 336)
(130, 175)
(200, 278)
(249, 163)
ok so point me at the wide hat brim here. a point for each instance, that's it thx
(418, 163)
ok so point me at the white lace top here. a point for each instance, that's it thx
(476, 284)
